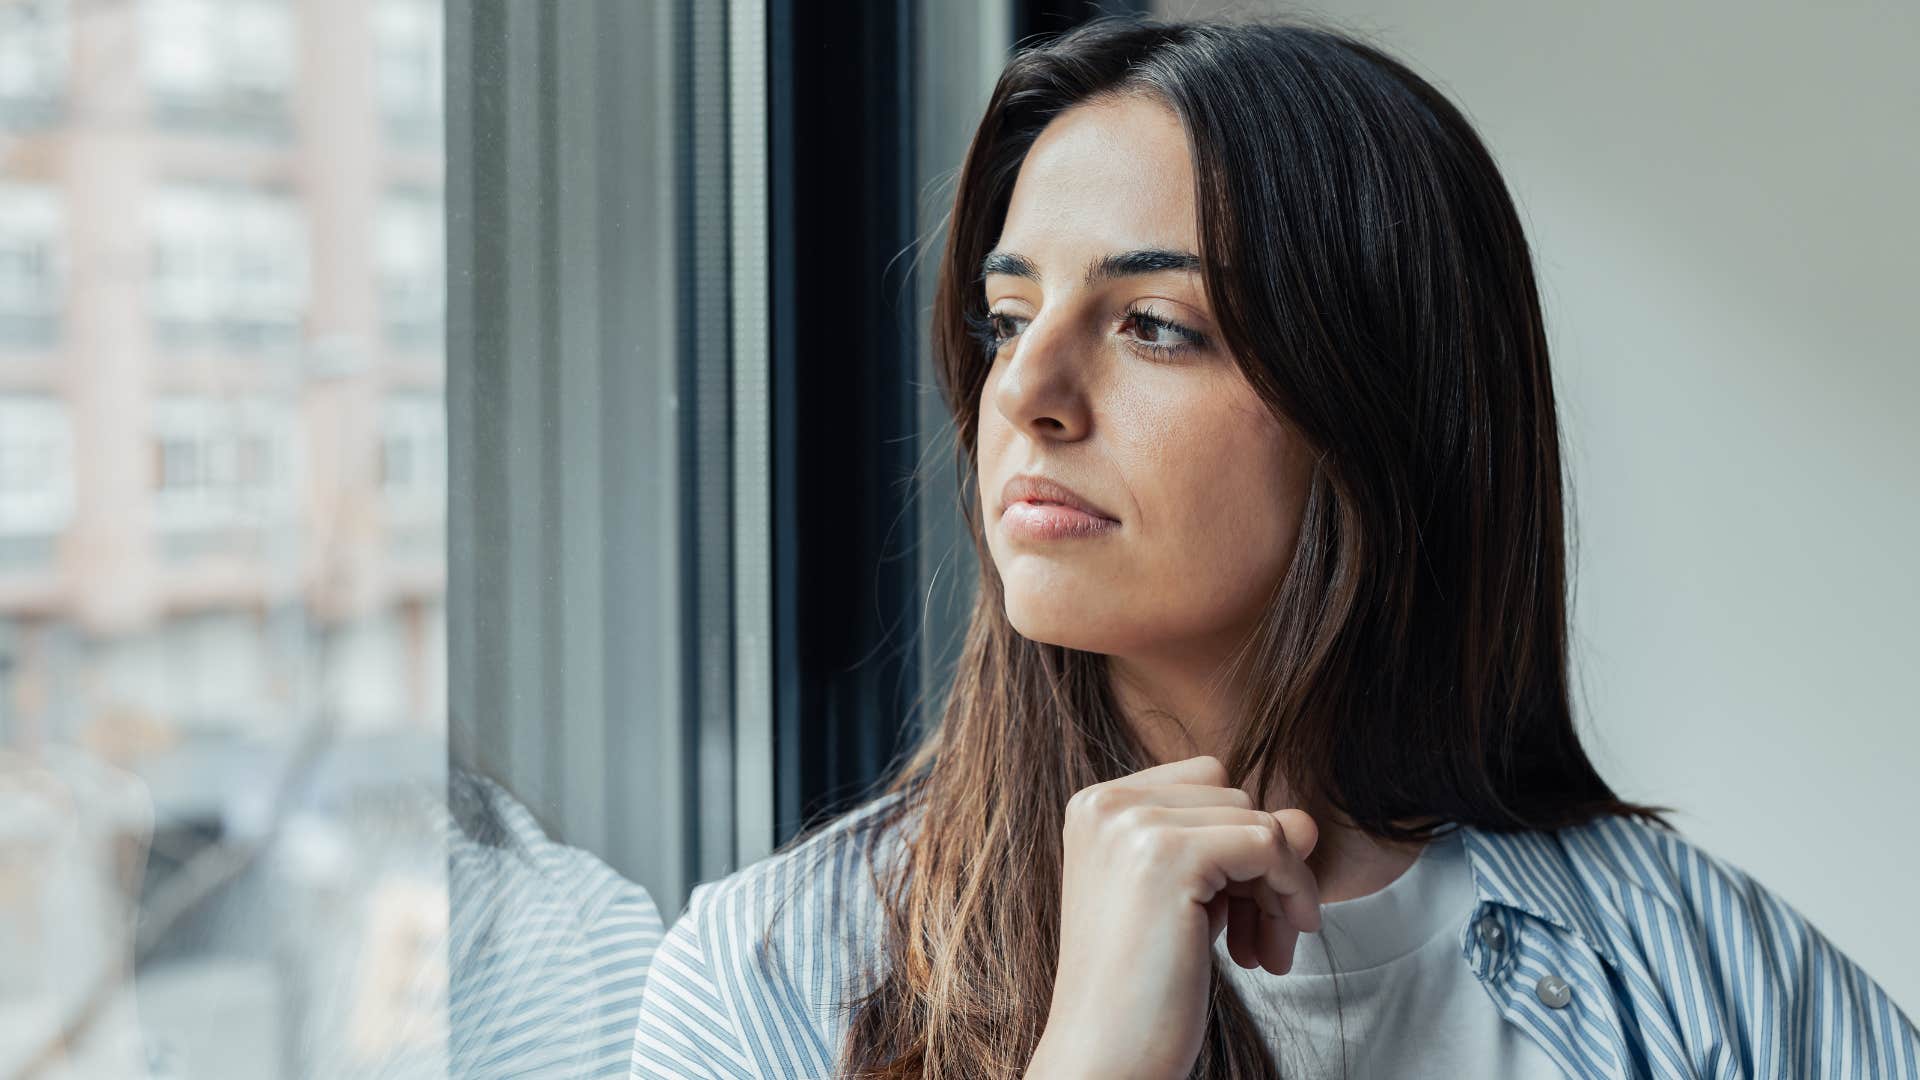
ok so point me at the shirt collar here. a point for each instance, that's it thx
(1532, 872)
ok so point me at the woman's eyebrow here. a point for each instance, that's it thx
(1106, 267)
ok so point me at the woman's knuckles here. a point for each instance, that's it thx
(1154, 848)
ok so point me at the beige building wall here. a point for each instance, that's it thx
(345, 541)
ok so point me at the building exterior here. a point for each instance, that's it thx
(222, 489)
(221, 282)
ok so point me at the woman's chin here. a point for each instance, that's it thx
(1057, 620)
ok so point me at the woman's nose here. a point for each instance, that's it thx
(1042, 382)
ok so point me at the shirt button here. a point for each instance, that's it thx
(1490, 933)
(1554, 992)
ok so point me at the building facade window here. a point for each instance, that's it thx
(413, 475)
(222, 463)
(31, 231)
(410, 239)
(413, 451)
(230, 267)
(228, 65)
(36, 464)
(36, 478)
(34, 56)
(409, 64)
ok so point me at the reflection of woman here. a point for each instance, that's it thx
(547, 947)
(1296, 669)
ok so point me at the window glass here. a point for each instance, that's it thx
(33, 59)
(230, 66)
(31, 226)
(230, 265)
(410, 67)
(223, 488)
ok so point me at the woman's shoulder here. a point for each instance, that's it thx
(1615, 872)
(1683, 927)
(1640, 863)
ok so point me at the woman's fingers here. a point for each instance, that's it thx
(1180, 795)
(1205, 769)
(1254, 882)
(1217, 914)
(1277, 939)
(1243, 930)
(1201, 814)
(1302, 831)
(1253, 847)
(1259, 933)
(1259, 852)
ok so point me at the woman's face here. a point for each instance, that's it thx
(1110, 380)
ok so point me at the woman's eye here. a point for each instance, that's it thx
(994, 329)
(1150, 332)
(1163, 335)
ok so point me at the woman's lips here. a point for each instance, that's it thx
(1053, 521)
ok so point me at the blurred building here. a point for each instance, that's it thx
(221, 425)
(222, 483)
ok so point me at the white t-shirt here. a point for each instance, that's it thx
(1387, 969)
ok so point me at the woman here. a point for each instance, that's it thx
(1260, 758)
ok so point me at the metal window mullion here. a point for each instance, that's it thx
(752, 443)
(579, 488)
(706, 382)
(650, 793)
(524, 394)
(477, 608)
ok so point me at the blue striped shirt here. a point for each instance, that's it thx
(547, 947)
(1619, 948)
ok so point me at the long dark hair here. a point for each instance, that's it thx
(1368, 272)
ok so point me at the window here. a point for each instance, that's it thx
(247, 635)
(641, 429)
(36, 478)
(414, 450)
(229, 266)
(223, 694)
(221, 65)
(33, 61)
(31, 224)
(409, 65)
(409, 246)
(413, 475)
(222, 464)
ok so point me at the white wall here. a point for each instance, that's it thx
(1723, 202)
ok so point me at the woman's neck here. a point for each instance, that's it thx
(1349, 863)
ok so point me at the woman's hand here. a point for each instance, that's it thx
(1156, 864)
